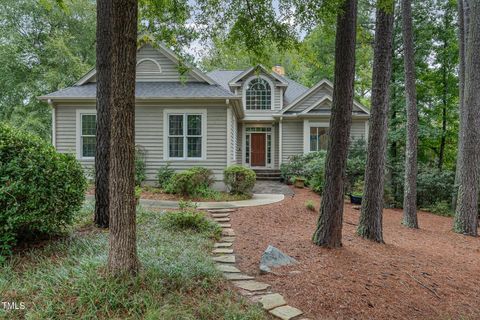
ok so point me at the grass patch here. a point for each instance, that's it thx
(66, 279)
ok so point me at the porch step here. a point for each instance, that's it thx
(267, 174)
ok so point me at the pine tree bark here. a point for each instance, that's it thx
(329, 225)
(102, 151)
(461, 84)
(370, 225)
(122, 257)
(410, 190)
(466, 213)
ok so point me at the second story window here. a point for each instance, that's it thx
(258, 95)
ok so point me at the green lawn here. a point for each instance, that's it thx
(66, 279)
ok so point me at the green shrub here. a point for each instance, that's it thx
(164, 175)
(239, 180)
(310, 205)
(40, 189)
(140, 166)
(191, 182)
(189, 219)
(434, 186)
(442, 208)
(356, 162)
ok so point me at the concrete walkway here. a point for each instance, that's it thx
(257, 200)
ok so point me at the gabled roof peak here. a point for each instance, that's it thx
(258, 68)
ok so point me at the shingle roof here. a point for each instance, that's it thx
(151, 90)
(223, 77)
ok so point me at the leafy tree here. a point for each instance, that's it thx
(42, 48)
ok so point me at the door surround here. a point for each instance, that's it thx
(268, 130)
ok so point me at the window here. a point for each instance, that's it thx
(88, 125)
(185, 135)
(318, 138)
(258, 95)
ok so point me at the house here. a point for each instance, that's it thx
(255, 117)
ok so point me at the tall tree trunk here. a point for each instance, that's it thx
(122, 257)
(410, 190)
(466, 213)
(445, 65)
(329, 225)
(461, 84)
(102, 152)
(370, 225)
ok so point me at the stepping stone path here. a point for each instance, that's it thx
(258, 292)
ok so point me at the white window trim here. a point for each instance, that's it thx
(166, 151)
(244, 93)
(306, 132)
(78, 125)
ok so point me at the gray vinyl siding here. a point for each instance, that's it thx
(292, 139)
(147, 70)
(240, 150)
(357, 130)
(149, 135)
(311, 99)
(233, 138)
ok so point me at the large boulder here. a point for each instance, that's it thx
(273, 257)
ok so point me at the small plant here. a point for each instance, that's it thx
(191, 220)
(357, 190)
(190, 182)
(441, 208)
(239, 180)
(164, 175)
(310, 205)
(187, 205)
(140, 166)
(138, 194)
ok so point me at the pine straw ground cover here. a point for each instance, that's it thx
(65, 279)
(431, 273)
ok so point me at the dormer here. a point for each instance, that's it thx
(262, 91)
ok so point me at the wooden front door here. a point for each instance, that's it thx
(258, 143)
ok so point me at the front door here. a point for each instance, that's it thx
(258, 141)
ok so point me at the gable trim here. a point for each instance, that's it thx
(318, 85)
(195, 72)
(306, 93)
(316, 104)
(233, 82)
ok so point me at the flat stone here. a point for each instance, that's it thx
(225, 225)
(222, 250)
(227, 239)
(220, 215)
(221, 210)
(270, 301)
(286, 312)
(252, 285)
(226, 219)
(227, 258)
(222, 244)
(228, 232)
(226, 268)
(237, 276)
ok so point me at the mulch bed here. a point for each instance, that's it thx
(431, 273)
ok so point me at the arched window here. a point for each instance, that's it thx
(258, 95)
